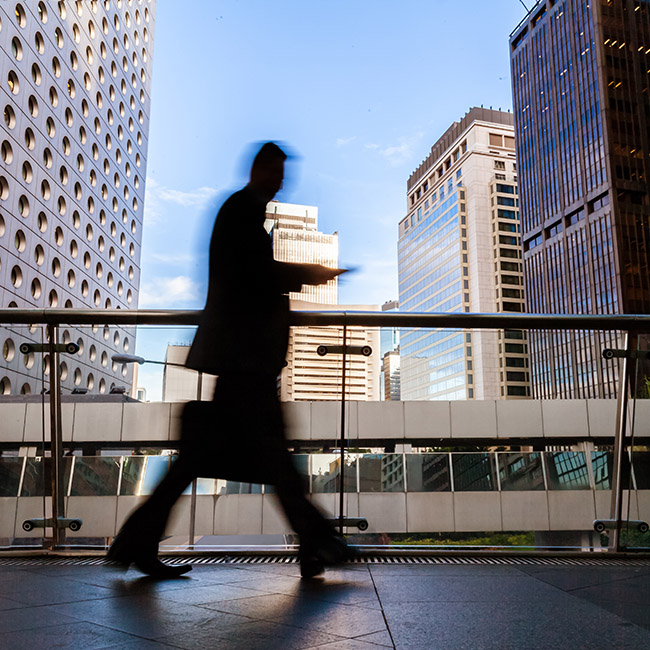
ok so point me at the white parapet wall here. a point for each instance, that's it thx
(132, 422)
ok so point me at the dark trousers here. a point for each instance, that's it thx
(243, 439)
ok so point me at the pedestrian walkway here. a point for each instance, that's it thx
(361, 606)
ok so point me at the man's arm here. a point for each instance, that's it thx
(291, 276)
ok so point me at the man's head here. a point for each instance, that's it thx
(267, 171)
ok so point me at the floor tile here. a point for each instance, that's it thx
(425, 589)
(378, 638)
(568, 622)
(150, 618)
(253, 634)
(86, 636)
(29, 618)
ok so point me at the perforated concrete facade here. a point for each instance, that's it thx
(75, 91)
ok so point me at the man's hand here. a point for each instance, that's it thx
(317, 274)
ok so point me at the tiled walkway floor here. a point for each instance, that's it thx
(357, 607)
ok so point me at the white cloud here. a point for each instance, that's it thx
(341, 142)
(373, 283)
(399, 153)
(170, 293)
(157, 195)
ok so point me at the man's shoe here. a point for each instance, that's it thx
(126, 551)
(153, 567)
(311, 566)
(314, 557)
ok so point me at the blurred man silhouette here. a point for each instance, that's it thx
(242, 337)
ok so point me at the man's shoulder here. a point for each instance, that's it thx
(242, 199)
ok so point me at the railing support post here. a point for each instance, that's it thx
(199, 394)
(56, 437)
(630, 344)
(342, 441)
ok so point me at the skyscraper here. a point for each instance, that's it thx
(581, 77)
(75, 97)
(296, 238)
(459, 249)
(309, 376)
(389, 353)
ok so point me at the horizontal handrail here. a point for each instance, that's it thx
(611, 322)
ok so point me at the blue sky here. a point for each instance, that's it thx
(360, 91)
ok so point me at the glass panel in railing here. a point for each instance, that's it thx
(95, 476)
(428, 473)
(566, 470)
(132, 475)
(11, 470)
(37, 479)
(381, 473)
(474, 472)
(326, 473)
(154, 471)
(601, 465)
(520, 471)
(641, 460)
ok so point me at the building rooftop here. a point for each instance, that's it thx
(499, 603)
(454, 132)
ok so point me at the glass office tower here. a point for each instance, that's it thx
(581, 72)
(459, 250)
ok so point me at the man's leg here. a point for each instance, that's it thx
(138, 539)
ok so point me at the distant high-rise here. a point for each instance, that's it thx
(308, 376)
(459, 250)
(75, 96)
(581, 83)
(390, 361)
(296, 238)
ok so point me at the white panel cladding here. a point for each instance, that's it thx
(524, 510)
(77, 125)
(322, 420)
(13, 422)
(179, 521)
(146, 421)
(430, 512)
(31, 508)
(571, 509)
(565, 418)
(381, 419)
(8, 516)
(125, 506)
(473, 419)
(386, 512)
(519, 419)
(97, 422)
(175, 422)
(603, 504)
(238, 514)
(273, 518)
(37, 422)
(256, 514)
(643, 500)
(427, 419)
(642, 417)
(97, 522)
(326, 420)
(477, 511)
(297, 418)
(602, 417)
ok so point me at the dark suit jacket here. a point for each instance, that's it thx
(244, 327)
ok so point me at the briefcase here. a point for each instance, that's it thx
(230, 446)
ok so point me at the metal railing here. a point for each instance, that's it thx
(53, 319)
